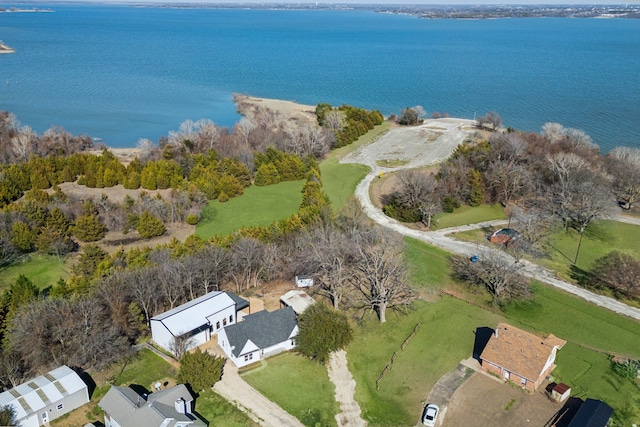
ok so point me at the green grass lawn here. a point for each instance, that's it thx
(599, 239)
(145, 368)
(257, 206)
(590, 375)
(42, 270)
(219, 412)
(446, 337)
(428, 265)
(301, 387)
(340, 180)
(468, 215)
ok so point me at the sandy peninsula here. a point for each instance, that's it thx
(5, 49)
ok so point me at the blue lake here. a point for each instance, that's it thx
(123, 73)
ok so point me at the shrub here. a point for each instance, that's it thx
(192, 219)
(150, 226)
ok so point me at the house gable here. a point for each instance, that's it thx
(522, 353)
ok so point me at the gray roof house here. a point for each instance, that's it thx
(196, 320)
(172, 407)
(259, 335)
(47, 397)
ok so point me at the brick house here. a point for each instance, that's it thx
(519, 356)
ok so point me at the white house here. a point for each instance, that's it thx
(196, 320)
(259, 335)
(172, 407)
(46, 397)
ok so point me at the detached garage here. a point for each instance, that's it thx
(47, 397)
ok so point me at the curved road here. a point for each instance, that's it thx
(437, 151)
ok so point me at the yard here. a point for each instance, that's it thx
(146, 369)
(257, 206)
(301, 387)
(42, 270)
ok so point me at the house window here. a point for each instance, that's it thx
(224, 322)
(231, 319)
(248, 357)
(60, 406)
(523, 381)
(217, 325)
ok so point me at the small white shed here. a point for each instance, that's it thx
(304, 281)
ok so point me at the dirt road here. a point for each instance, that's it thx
(435, 151)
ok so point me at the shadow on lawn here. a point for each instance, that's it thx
(482, 334)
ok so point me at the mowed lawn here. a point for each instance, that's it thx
(301, 387)
(468, 215)
(340, 180)
(257, 206)
(42, 270)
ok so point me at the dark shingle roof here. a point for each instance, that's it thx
(263, 328)
(592, 413)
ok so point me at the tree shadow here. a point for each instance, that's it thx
(482, 336)
(581, 276)
(561, 253)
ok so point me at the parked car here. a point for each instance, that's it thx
(430, 415)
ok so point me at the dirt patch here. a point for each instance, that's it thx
(484, 401)
(116, 194)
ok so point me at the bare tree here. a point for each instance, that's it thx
(553, 132)
(335, 120)
(24, 143)
(623, 164)
(496, 272)
(419, 191)
(247, 263)
(380, 273)
(181, 344)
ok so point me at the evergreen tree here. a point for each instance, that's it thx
(322, 331)
(149, 226)
(22, 237)
(91, 257)
(88, 228)
(200, 370)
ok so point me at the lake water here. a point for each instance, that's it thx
(123, 73)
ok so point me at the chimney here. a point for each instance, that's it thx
(180, 406)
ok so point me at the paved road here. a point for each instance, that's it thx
(442, 240)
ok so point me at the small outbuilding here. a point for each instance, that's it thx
(304, 281)
(297, 299)
(259, 335)
(560, 392)
(196, 320)
(47, 397)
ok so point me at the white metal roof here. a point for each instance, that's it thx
(42, 391)
(298, 300)
(194, 314)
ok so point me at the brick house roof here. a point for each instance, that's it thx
(520, 352)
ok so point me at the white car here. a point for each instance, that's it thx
(430, 415)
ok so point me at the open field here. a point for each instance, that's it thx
(301, 387)
(42, 270)
(468, 215)
(257, 206)
(339, 180)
